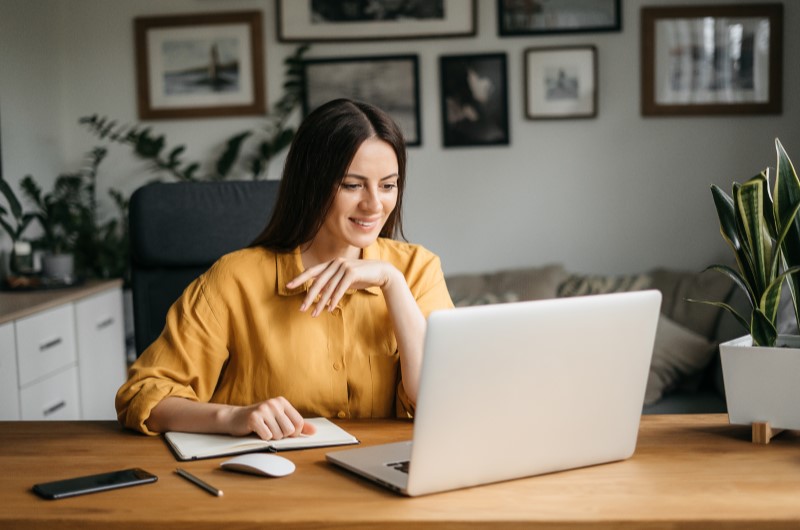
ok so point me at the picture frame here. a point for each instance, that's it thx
(474, 97)
(390, 82)
(548, 17)
(334, 20)
(703, 60)
(560, 82)
(198, 66)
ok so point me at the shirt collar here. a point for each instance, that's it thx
(290, 265)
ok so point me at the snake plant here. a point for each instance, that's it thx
(763, 231)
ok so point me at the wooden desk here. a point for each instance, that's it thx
(688, 472)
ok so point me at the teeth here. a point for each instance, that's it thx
(362, 223)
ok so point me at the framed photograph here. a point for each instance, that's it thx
(200, 65)
(474, 100)
(388, 82)
(335, 20)
(721, 59)
(560, 82)
(544, 17)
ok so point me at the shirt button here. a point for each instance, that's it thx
(337, 366)
(341, 415)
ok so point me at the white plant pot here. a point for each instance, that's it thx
(59, 267)
(762, 384)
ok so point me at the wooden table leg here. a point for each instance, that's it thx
(763, 432)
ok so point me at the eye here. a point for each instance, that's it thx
(351, 186)
(389, 186)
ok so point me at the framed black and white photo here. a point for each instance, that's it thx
(388, 82)
(560, 82)
(711, 60)
(515, 17)
(192, 66)
(474, 100)
(337, 20)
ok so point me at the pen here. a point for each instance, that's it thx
(196, 481)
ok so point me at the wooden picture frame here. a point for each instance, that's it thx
(516, 18)
(711, 60)
(193, 66)
(328, 20)
(560, 82)
(390, 82)
(474, 95)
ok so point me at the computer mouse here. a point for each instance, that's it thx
(265, 465)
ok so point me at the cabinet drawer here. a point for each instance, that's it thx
(53, 398)
(9, 389)
(101, 353)
(45, 343)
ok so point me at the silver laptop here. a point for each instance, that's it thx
(520, 389)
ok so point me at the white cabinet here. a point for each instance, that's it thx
(62, 353)
(101, 353)
(9, 394)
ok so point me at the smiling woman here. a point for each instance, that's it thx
(324, 314)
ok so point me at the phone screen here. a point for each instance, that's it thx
(93, 483)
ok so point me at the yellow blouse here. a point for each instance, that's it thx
(237, 336)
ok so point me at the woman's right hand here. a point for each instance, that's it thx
(272, 419)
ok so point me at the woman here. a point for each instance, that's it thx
(323, 315)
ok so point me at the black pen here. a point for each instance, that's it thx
(197, 482)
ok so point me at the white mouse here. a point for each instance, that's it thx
(266, 465)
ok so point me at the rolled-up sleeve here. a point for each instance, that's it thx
(185, 361)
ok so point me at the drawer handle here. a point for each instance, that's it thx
(50, 344)
(105, 323)
(55, 408)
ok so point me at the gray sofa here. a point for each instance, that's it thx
(685, 374)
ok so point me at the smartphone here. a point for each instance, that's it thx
(93, 483)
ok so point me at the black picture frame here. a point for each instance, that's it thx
(683, 76)
(474, 100)
(329, 21)
(549, 17)
(199, 66)
(390, 82)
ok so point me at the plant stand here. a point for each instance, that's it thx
(763, 432)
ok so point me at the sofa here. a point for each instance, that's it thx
(685, 373)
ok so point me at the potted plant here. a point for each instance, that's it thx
(14, 221)
(62, 213)
(763, 230)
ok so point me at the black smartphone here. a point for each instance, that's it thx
(93, 483)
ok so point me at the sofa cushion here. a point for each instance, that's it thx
(677, 287)
(678, 354)
(582, 285)
(511, 285)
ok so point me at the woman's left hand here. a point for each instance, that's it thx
(333, 278)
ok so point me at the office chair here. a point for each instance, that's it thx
(178, 230)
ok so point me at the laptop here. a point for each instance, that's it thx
(521, 389)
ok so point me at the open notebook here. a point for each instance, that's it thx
(192, 446)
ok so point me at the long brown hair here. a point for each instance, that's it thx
(321, 152)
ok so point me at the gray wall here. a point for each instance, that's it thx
(619, 193)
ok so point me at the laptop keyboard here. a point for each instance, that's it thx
(400, 466)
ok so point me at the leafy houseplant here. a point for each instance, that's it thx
(14, 221)
(764, 233)
(760, 371)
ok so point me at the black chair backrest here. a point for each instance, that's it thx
(178, 230)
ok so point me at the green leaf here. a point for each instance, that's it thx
(739, 318)
(738, 280)
(11, 197)
(231, 153)
(762, 330)
(755, 237)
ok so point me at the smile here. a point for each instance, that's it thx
(365, 224)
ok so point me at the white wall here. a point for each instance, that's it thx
(619, 193)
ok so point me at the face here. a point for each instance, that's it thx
(366, 197)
